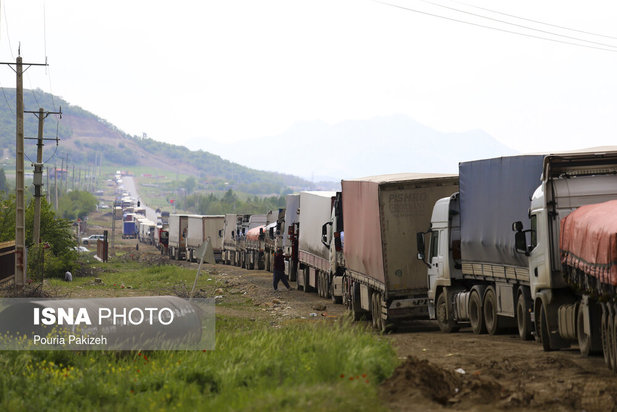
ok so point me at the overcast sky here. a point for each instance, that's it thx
(232, 70)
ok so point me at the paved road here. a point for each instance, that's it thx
(129, 185)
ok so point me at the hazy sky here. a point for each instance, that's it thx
(231, 70)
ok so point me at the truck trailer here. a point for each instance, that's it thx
(381, 216)
(313, 255)
(178, 228)
(474, 273)
(200, 228)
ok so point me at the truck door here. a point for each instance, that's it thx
(435, 259)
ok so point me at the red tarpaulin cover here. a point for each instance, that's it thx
(588, 240)
(253, 234)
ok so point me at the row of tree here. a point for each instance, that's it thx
(229, 202)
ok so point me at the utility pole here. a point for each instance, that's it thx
(38, 171)
(20, 201)
(73, 185)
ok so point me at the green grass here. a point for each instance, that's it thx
(294, 365)
(301, 366)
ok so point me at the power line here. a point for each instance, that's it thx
(6, 25)
(517, 25)
(538, 21)
(494, 28)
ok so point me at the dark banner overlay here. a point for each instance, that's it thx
(129, 323)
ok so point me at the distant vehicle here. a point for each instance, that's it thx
(103, 206)
(91, 238)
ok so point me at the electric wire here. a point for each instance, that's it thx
(538, 21)
(6, 26)
(494, 28)
(565, 36)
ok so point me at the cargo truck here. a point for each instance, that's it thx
(275, 220)
(381, 216)
(475, 275)
(245, 245)
(178, 227)
(332, 236)
(129, 227)
(571, 248)
(200, 228)
(230, 230)
(290, 236)
(313, 255)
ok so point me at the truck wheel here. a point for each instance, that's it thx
(523, 318)
(327, 292)
(475, 313)
(584, 340)
(356, 310)
(446, 323)
(305, 273)
(374, 310)
(605, 339)
(544, 331)
(382, 326)
(613, 339)
(489, 307)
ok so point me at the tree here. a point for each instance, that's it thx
(4, 186)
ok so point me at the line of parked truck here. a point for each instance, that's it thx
(526, 243)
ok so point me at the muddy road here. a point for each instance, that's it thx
(459, 371)
(438, 371)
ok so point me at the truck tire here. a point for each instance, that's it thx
(544, 331)
(613, 340)
(489, 309)
(523, 318)
(374, 310)
(445, 322)
(476, 317)
(356, 310)
(604, 332)
(584, 340)
(306, 286)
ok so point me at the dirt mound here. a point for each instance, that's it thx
(418, 384)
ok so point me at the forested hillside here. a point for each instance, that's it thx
(83, 135)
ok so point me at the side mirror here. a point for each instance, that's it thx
(324, 234)
(233, 234)
(421, 247)
(520, 239)
(520, 243)
(220, 233)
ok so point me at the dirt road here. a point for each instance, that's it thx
(438, 371)
(460, 371)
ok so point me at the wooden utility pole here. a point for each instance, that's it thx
(20, 202)
(38, 171)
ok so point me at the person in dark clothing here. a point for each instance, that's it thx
(279, 270)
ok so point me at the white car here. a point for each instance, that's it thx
(91, 238)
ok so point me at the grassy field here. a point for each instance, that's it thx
(296, 365)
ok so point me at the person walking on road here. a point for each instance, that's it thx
(279, 270)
